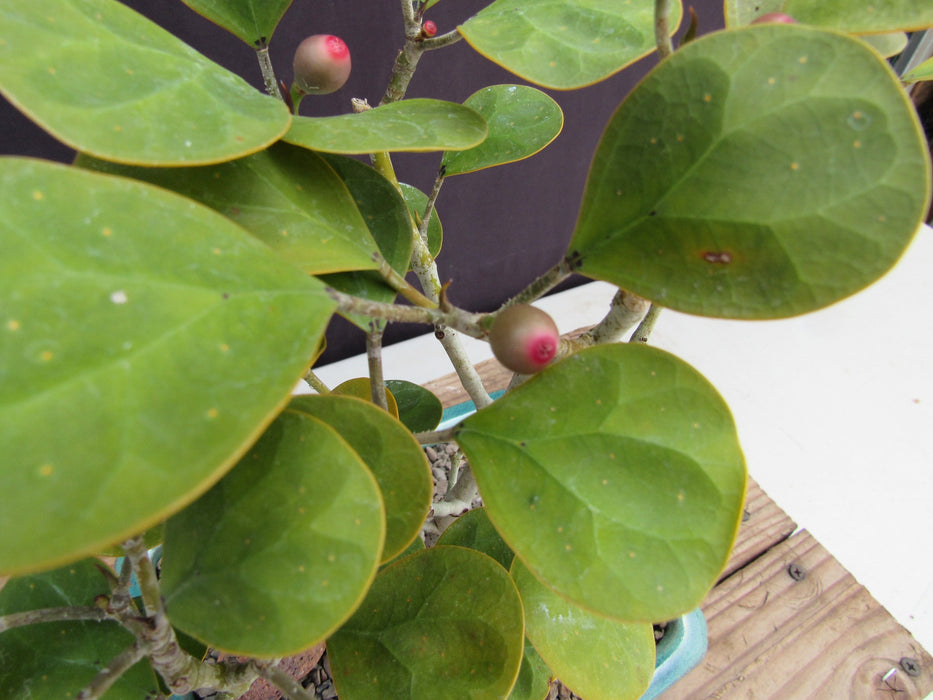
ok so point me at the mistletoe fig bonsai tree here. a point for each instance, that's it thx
(161, 297)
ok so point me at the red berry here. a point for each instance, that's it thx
(321, 64)
(524, 338)
(774, 18)
(429, 29)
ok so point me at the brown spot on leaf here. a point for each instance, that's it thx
(718, 257)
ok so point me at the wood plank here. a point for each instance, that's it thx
(824, 636)
(763, 526)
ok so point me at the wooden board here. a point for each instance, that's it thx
(820, 637)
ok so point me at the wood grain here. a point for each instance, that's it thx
(824, 636)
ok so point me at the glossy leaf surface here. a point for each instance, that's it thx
(565, 44)
(145, 340)
(418, 409)
(522, 121)
(877, 17)
(390, 452)
(408, 125)
(621, 461)
(282, 550)
(107, 81)
(443, 624)
(757, 173)
(250, 20)
(600, 659)
(534, 676)
(288, 197)
(55, 660)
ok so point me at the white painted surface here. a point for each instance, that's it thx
(834, 411)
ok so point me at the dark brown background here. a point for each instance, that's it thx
(503, 226)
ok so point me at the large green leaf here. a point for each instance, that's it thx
(393, 456)
(876, 17)
(146, 342)
(288, 197)
(107, 81)
(757, 173)
(620, 461)
(55, 660)
(443, 624)
(418, 408)
(600, 659)
(408, 125)
(565, 44)
(522, 121)
(282, 550)
(253, 21)
(473, 529)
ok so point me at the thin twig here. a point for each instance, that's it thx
(111, 673)
(281, 680)
(626, 310)
(543, 284)
(377, 384)
(315, 382)
(62, 614)
(662, 28)
(268, 73)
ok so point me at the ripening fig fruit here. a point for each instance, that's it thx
(524, 338)
(428, 29)
(321, 65)
(774, 18)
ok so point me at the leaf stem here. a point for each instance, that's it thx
(543, 284)
(402, 285)
(377, 384)
(643, 332)
(268, 73)
(662, 28)
(315, 382)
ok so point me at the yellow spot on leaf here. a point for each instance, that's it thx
(46, 355)
(224, 347)
(795, 166)
(707, 97)
(106, 232)
(212, 413)
(46, 470)
(13, 325)
(37, 195)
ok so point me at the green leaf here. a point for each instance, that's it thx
(757, 173)
(282, 550)
(360, 388)
(565, 44)
(473, 529)
(620, 461)
(922, 72)
(417, 201)
(522, 121)
(887, 45)
(390, 452)
(534, 677)
(418, 409)
(253, 21)
(288, 197)
(408, 125)
(386, 215)
(55, 660)
(147, 340)
(107, 81)
(880, 16)
(443, 624)
(599, 659)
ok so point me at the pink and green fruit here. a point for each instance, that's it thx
(321, 64)
(524, 338)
